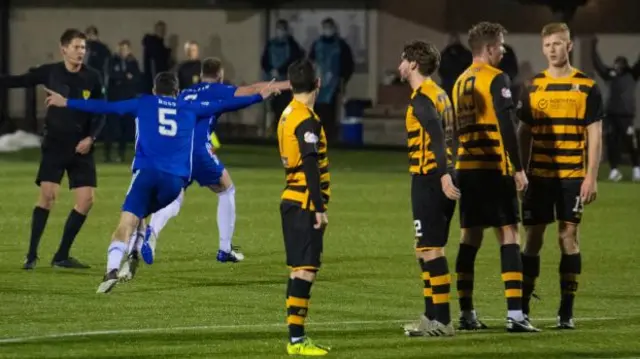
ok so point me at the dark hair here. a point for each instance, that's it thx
(166, 84)
(483, 34)
(211, 67)
(622, 61)
(71, 34)
(329, 21)
(91, 30)
(282, 23)
(302, 76)
(424, 54)
(125, 42)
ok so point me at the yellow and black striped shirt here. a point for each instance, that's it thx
(428, 116)
(300, 134)
(558, 110)
(484, 121)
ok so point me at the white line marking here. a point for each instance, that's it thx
(236, 326)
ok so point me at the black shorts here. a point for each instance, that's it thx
(487, 199)
(432, 212)
(549, 199)
(81, 169)
(302, 242)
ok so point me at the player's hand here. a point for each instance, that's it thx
(522, 182)
(450, 190)
(54, 99)
(84, 146)
(588, 190)
(321, 220)
(269, 90)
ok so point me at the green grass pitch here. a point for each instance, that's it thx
(189, 306)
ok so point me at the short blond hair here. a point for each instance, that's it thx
(555, 28)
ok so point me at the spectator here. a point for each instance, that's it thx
(280, 52)
(189, 71)
(98, 53)
(124, 84)
(620, 110)
(156, 55)
(509, 63)
(454, 61)
(334, 60)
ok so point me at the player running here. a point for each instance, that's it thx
(162, 163)
(208, 171)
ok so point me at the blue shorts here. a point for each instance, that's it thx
(207, 169)
(150, 191)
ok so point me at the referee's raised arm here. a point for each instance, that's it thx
(67, 144)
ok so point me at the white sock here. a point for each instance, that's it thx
(515, 315)
(226, 217)
(115, 253)
(160, 218)
(133, 241)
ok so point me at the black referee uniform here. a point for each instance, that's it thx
(64, 129)
(188, 73)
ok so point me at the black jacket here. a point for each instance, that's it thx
(97, 57)
(124, 78)
(622, 87)
(455, 59)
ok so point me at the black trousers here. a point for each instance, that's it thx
(621, 137)
(118, 129)
(328, 113)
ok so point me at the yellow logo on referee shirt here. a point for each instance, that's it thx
(86, 94)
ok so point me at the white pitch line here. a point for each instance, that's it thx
(234, 326)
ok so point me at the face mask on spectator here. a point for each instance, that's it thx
(328, 31)
(281, 34)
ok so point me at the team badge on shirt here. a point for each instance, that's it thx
(86, 94)
(310, 137)
(506, 93)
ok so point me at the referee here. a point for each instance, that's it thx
(67, 145)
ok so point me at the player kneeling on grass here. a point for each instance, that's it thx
(303, 152)
(162, 162)
(433, 194)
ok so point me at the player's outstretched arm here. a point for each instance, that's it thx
(257, 87)
(209, 108)
(505, 112)
(104, 107)
(92, 106)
